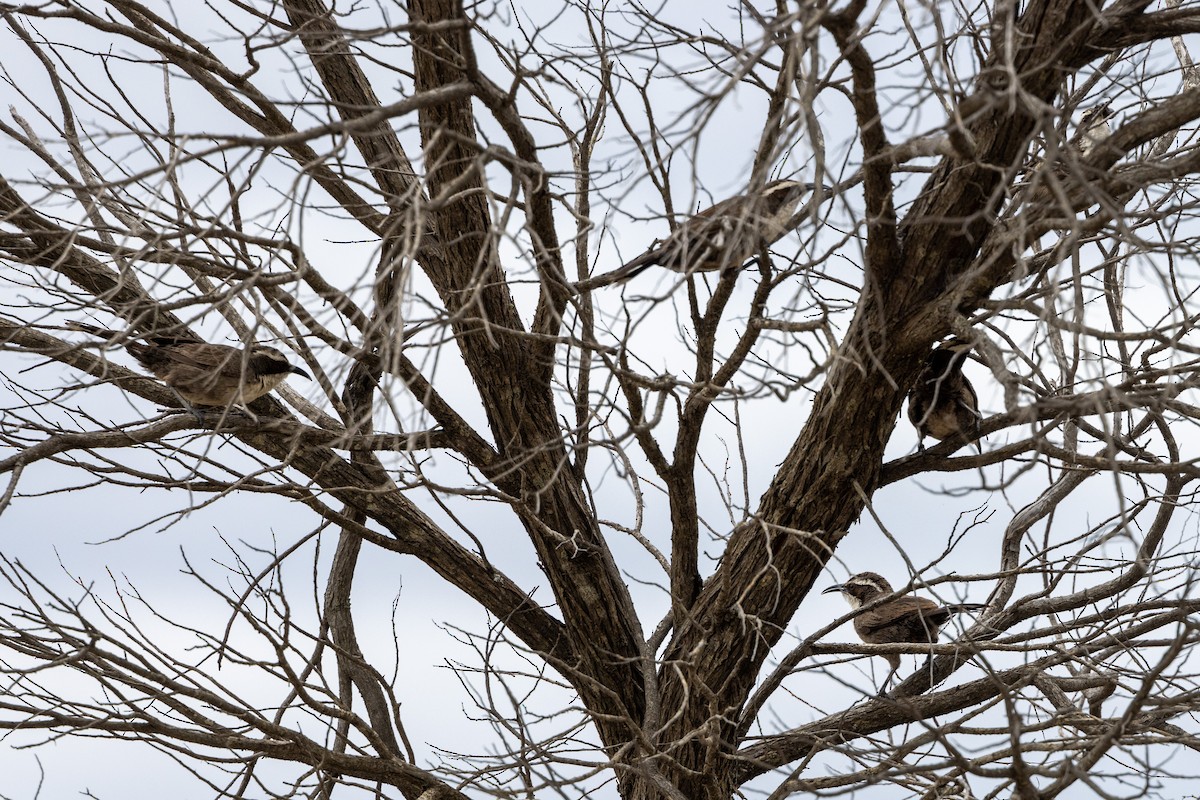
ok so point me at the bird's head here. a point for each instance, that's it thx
(1096, 115)
(861, 589)
(780, 198)
(775, 204)
(269, 361)
(1093, 128)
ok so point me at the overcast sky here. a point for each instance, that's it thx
(108, 539)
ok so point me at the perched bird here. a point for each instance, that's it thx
(907, 618)
(942, 403)
(1093, 128)
(725, 235)
(206, 374)
(1090, 131)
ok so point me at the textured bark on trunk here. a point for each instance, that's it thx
(912, 291)
(511, 372)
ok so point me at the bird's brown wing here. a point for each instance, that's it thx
(220, 358)
(913, 615)
(919, 401)
(700, 238)
(698, 244)
(198, 365)
(203, 373)
(969, 401)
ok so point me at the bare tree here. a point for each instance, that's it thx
(636, 481)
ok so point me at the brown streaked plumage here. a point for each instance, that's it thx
(725, 235)
(205, 374)
(943, 403)
(907, 618)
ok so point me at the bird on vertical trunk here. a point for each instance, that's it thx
(904, 619)
(201, 373)
(943, 403)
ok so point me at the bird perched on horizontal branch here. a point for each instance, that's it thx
(205, 374)
(903, 619)
(943, 403)
(725, 235)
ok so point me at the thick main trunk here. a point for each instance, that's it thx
(515, 391)
(834, 465)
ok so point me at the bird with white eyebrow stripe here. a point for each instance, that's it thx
(903, 619)
(205, 374)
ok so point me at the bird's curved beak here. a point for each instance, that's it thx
(837, 587)
(298, 371)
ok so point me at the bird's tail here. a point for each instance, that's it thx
(103, 333)
(638, 265)
(622, 273)
(960, 607)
